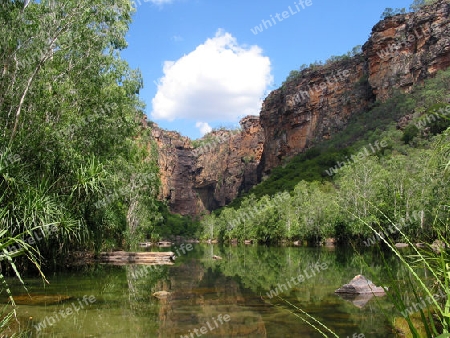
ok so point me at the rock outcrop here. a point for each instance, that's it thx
(402, 51)
(176, 166)
(360, 285)
(213, 173)
(406, 49)
(312, 108)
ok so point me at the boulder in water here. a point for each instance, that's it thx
(161, 294)
(360, 285)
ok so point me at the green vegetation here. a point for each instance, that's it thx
(73, 150)
(77, 168)
(390, 12)
(398, 192)
(418, 4)
(73, 154)
(371, 173)
(376, 124)
(295, 74)
(172, 225)
(415, 6)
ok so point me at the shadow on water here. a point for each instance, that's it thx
(253, 291)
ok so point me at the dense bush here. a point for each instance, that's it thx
(398, 183)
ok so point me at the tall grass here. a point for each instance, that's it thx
(8, 312)
(431, 313)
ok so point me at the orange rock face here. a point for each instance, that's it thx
(312, 108)
(406, 49)
(212, 174)
(402, 51)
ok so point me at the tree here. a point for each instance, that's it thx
(390, 12)
(418, 4)
(70, 112)
(409, 133)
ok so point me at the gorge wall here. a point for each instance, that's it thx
(402, 51)
(213, 173)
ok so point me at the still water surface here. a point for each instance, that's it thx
(204, 292)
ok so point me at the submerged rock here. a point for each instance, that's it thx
(330, 242)
(40, 299)
(438, 245)
(359, 300)
(360, 285)
(161, 294)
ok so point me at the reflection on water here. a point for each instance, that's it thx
(213, 298)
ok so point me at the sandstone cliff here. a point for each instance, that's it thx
(402, 51)
(214, 172)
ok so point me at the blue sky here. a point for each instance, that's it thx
(204, 66)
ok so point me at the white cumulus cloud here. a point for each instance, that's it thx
(204, 127)
(218, 81)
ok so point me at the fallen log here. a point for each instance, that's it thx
(148, 258)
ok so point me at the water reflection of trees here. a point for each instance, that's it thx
(198, 295)
(125, 307)
(261, 269)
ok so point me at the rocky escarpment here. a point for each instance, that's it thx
(229, 167)
(176, 166)
(406, 49)
(214, 172)
(402, 51)
(312, 108)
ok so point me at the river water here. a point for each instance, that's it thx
(230, 297)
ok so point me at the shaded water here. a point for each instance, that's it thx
(204, 292)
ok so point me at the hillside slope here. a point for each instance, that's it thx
(401, 52)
